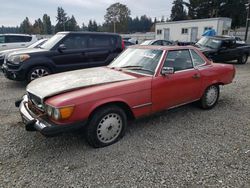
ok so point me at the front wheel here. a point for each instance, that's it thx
(106, 126)
(210, 97)
(243, 59)
(37, 72)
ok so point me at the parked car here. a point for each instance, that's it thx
(157, 42)
(11, 41)
(127, 43)
(4, 53)
(238, 39)
(63, 52)
(221, 49)
(141, 81)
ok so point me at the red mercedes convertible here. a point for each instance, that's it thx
(141, 81)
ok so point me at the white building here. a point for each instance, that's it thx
(191, 30)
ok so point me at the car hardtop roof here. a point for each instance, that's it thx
(221, 37)
(88, 33)
(15, 34)
(167, 48)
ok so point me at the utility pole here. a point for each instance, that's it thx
(114, 26)
(248, 18)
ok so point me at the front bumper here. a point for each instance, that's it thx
(46, 128)
(13, 74)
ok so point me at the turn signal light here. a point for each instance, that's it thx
(66, 112)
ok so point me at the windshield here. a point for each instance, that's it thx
(138, 60)
(52, 41)
(37, 43)
(209, 42)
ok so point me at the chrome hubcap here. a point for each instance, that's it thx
(38, 73)
(212, 95)
(109, 128)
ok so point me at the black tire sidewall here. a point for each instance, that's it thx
(203, 101)
(241, 59)
(91, 129)
(34, 68)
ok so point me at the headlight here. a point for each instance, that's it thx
(16, 59)
(59, 113)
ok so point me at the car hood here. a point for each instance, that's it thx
(28, 51)
(63, 82)
(206, 49)
(4, 52)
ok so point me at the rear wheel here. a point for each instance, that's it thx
(107, 126)
(210, 97)
(37, 72)
(243, 59)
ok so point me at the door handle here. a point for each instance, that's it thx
(196, 76)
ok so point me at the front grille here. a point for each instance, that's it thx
(36, 101)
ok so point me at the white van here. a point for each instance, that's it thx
(10, 41)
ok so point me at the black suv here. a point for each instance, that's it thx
(63, 52)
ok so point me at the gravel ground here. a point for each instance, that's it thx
(184, 147)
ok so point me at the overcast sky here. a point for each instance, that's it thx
(13, 12)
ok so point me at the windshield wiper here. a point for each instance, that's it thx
(131, 66)
(138, 68)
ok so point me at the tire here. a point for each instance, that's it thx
(243, 59)
(210, 97)
(37, 72)
(107, 126)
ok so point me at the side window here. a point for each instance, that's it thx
(76, 42)
(2, 39)
(101, 41)
(197, 59)
(166, 43)
(27, 38)
(14, 39)
(157, 43)
(179, 60)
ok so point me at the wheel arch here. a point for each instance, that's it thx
(46, 65)
(123, 105)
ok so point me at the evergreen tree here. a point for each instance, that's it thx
(47, 27)
(26, 26)
(38, 27)
(84, 27)
(92, 26)
(178, 12)
(61, 20)
(71, 24)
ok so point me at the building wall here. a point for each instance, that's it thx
(175, 28)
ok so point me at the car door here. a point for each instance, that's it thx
(228, 51)
(70, 53)
(179, 88)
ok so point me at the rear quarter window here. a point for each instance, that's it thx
(14, 39)
(102, 41)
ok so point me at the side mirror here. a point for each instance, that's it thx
(167, 70)
(61, 47)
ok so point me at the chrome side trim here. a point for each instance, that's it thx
(182, 104)
(142, 105)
